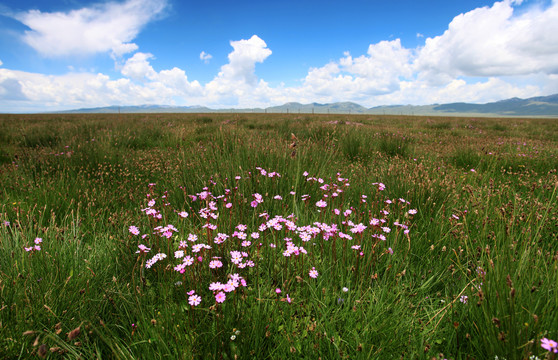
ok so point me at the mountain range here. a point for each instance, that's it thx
(544, 106)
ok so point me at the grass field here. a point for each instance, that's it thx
(254, 236)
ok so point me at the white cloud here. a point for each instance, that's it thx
(458, 90)
(493, 41)
(205, 57)
(237, 83)
(138, 67)
(106, 27)
(1, 63)
(243, 59)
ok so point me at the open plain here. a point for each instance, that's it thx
(259, 236)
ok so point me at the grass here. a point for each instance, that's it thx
(417, 255)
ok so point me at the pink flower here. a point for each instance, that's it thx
(183, 214)
(313, 273)
(38, 240)
(215, 264)
(194, 300)
(134, 230)
(288, 299)
(549, 345)
(380, 186)
(358, 228)
(188, 260)
(278, 291)
(220, 297)
(321, 204)
(142, 249)
(215, 286)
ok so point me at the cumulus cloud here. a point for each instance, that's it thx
(243, 59)
(493, 41)
(205, 57)
(106, 27)
(22, 91)
(377, 72)
(138, 67)
(237, 83)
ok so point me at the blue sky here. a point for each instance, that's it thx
(75, 54)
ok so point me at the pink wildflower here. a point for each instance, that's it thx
(133, 230)
(194, 300)
(188, 260)
(313, 273)
(220, 297)
(142, 249)
(215, 264)
(549, 345)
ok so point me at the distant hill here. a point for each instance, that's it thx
(535, 106)
(541, 105)
(339, 107)
(115, 109)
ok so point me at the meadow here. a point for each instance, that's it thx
(278, 236)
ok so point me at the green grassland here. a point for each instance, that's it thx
(360, 237)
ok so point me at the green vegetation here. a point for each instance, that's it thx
(279, 236)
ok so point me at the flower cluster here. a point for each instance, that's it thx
(36, 247)
(268, 237)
